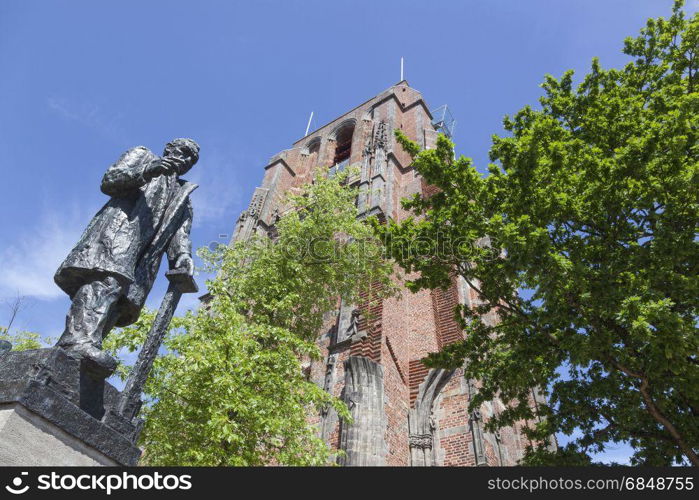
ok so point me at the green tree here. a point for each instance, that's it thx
(23, 340)
(590, 208)
(230, 389)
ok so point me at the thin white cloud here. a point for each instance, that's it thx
(219, 191)
(27, 266)
(88, 114)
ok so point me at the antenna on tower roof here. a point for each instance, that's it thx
(401, 69)
(309, 124)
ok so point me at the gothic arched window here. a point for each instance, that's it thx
(343, 148)
(312, 151)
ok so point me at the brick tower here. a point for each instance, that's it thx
(403, 413)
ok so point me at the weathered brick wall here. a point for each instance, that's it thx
(396, 408)
(443, 304)
(372, 322)
(454, 443)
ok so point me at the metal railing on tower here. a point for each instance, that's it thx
(443, 120)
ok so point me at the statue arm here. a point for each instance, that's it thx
(128, 173)
(180, 244)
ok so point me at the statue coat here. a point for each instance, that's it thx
(127, 238)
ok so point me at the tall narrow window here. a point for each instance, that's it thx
(343, 149)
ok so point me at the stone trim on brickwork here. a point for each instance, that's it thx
(421, 423)
(363, 440)
(376, 101)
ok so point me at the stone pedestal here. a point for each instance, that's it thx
(55, 410)
(30, 440)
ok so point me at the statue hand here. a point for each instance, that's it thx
(176, 163)
(185, 261)
(158, 167)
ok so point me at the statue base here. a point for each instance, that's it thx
(55, 410)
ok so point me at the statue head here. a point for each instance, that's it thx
(184, 149)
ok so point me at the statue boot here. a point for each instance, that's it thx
(89, 320)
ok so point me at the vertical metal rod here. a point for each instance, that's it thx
(401, 69)
(130, 400)
(309, 124)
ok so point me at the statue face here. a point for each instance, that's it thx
(183, 153)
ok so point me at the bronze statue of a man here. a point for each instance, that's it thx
(111, 270)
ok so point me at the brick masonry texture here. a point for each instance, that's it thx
(405, 414)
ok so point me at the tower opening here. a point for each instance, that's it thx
(343, 148)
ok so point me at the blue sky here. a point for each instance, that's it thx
(83, 81)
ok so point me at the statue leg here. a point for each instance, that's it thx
(92, 313)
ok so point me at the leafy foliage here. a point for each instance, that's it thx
(230, 390)
(590, 207)
(23, 340)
